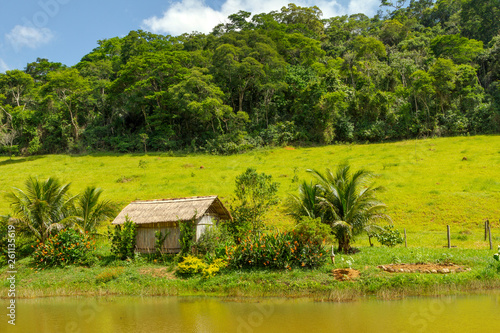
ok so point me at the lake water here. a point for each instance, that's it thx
(473, 313)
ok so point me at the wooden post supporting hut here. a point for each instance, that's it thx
(165, 215)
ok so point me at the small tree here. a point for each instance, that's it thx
(349, 203)
(255, 195)
(123, 240)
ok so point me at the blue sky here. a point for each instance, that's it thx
(65, 30)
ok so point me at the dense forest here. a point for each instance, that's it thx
(417, 68)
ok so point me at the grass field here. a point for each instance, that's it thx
(429, 183)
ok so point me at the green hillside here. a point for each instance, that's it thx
(430, 183)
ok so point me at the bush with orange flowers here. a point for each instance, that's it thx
(279, 250)
(68, 247)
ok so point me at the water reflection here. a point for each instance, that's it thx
(173, 314)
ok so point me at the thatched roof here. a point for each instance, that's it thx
(172, 210)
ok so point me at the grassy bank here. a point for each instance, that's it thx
(142, 278)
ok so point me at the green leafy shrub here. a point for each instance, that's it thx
(212, 243)
(67, 247)
(313, 230)
(496, 256)
(24, 240)
(190, 265)
(188, 233)
(279, 250)
(388, 236)
(280, 134)
(123, 240)
(231, 143)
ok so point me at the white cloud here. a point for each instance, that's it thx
(196, 15)
(22, 36)
(185, 16)
(368, 7)
(3, 66)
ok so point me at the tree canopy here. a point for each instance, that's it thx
(418, 67)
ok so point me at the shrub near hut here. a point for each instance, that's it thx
(123, 240)
(67, 247)
(278, 250)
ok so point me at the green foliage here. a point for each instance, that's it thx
(188, 234)
(460, 49)
(23, 240)
(68, 247)
(496, 256)
(277, 250)
(123, 240)
(213, 242)
(313, 230)
(255, 195)
(91, 211)
(388, 236)
(280, 134)
(349, 202)
(43, 207)
(159, 240)
(307, 203)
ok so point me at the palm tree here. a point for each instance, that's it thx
(43, 206)
(349, 203)
(90, 211)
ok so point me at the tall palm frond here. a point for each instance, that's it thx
(91, 211)
(41, 205)
(307, 203)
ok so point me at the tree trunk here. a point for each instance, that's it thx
(344, 244)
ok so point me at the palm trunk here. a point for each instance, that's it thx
(344, 243)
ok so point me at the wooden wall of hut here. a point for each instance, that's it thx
(145, 239)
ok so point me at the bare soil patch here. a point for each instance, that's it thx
(423, 268)
(157, 272)
(345, 274)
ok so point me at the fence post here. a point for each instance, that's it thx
(449, 237)
(486, 230)
(489, 233)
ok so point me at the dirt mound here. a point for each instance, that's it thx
(345, 274)
(423, 268)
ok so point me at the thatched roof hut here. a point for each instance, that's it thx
(164, 215)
